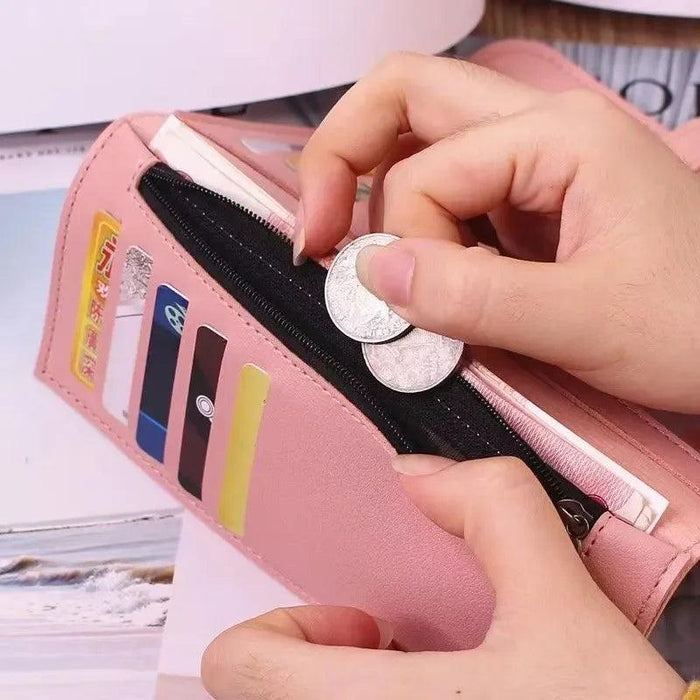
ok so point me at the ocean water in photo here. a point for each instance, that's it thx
(83, 604)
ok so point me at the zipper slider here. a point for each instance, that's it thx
(576, 519)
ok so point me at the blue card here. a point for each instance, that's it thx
(169, 317)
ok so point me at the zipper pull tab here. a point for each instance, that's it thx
(576, 519)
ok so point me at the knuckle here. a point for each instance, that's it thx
(397, 179)
(576, 110)
(507, 476)
(313, 151)
(396, 63)
(467, 71)
(583, 103)
(278, 618)
(231, 668)
(508, 470)
(466, 67)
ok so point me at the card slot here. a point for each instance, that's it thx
(98, 300)
(231, 461)
(124, 326)
(200, 408)
(170, 339)
(219, 437)
(136, 382)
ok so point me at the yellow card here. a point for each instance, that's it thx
(93, 297)
(253, 387)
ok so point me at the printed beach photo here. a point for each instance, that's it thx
(83, 604)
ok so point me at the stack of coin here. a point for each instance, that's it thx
(401, 357)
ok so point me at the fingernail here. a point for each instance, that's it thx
(420, 465)
(298, 257)
(386, 633)
(387, 272)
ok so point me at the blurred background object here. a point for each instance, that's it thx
(551, 20)
(81, 61)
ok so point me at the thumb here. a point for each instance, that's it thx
(486, 299)
(302, 651)
(506, 519)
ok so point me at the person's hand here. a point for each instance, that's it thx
(566, 178)
(554, 634)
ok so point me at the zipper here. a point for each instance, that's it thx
(263, 304)
(577, 520)
(411, 423)
(554, 483)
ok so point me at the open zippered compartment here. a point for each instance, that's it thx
(253, 262)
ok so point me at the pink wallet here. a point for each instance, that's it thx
(178, 326)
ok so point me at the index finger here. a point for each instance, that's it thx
(430, 96)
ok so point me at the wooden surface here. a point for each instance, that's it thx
(554, 21)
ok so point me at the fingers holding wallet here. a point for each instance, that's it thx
(549, 616)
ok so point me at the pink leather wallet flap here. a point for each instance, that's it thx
(278, 453)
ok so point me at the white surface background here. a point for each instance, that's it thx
(84, 61)
(35, 161)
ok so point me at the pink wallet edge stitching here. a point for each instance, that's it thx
(660, 428)
(620, 432)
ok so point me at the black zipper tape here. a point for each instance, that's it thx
(252, 261)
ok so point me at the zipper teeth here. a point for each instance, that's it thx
(156, 174)
(552, 481)
(545, 472)
(270, 310)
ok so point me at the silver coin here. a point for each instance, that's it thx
(354, 309)
(418, 361)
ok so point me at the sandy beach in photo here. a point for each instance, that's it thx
(83, 604)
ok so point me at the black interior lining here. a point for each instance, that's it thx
(254, 265)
